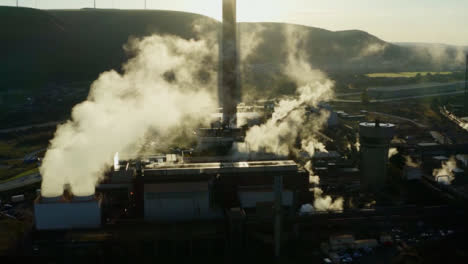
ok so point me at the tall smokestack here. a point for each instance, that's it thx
(466, 86)
(228, 92)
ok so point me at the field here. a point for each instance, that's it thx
(403, 74)
(17, 146)
(25, 173)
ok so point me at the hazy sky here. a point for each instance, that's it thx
(439, 21)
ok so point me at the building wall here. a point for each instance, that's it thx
(249, 199)
(178, 206)
(67, 215)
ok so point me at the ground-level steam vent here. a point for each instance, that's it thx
(179, 201)
(58, 213)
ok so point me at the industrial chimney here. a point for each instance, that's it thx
(466, 86)
(228, 92)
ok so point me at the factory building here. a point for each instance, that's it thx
(55, 213)
(205, 188)
(177, 191)
(375, 141)
(179, 202)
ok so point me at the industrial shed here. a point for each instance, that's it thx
(61, 213)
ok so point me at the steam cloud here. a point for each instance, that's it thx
(168, 85)
(290, 120)
(164, 86)
(321, 202)
(439, 54)
(373, 49)
(445, 174)
(410, 163)
(357, 145)
(392, 152)
(326, 203)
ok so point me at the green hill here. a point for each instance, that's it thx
(41, 50)
(40, 46)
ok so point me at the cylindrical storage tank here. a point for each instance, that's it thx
(375, 141)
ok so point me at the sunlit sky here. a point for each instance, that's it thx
(435, 21)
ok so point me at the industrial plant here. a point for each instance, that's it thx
(339, 186)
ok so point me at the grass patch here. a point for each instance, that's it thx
(22, 174)
(403, 74)
(16, 145)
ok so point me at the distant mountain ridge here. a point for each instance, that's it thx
(427, 44)
(40, 47)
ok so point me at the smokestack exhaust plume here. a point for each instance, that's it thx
(228, 91)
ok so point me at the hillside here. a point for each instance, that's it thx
(43, 50)
(70, 45)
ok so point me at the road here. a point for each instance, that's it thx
(21, 182)
(399, 117)
(397, 98)
(22, 128)
(33, 154)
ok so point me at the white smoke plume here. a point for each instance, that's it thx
(411, 163)
(373, 49)
(290, 119)
(445, 174)
(249, 39)
(165, 85)
(463, 125)
(440, 54)
(313, 179)
(357, 145)
(322, 202)
(392, 152)
(116, 162)
(326, 202)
